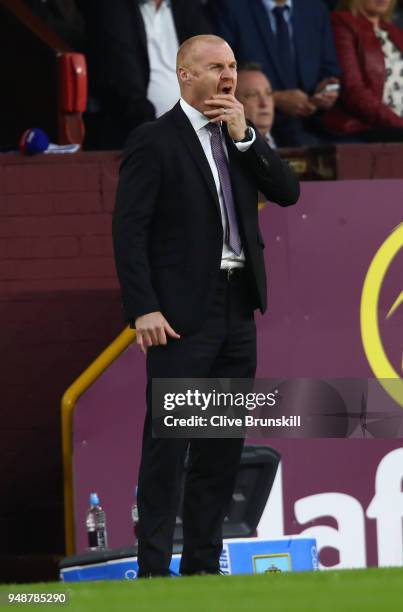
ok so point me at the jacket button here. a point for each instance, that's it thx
(264, 160)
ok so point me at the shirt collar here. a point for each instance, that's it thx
(196, 118)
(271, 4)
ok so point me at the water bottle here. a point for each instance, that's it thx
(96, 525)
(135, 515)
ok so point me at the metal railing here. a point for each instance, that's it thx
(68, 406)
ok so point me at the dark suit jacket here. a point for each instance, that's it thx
(117, 53)
(245, 25)
(167, 226)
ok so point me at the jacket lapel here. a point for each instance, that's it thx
(189, 137)
(177, 13)
(139, 25)
(396, 34)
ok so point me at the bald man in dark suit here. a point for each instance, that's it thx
(189, 256)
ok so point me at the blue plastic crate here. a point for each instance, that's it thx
(239, 556)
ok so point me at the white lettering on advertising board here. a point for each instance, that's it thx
(349, 537)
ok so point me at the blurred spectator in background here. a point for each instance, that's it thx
(292, 40)
(255, 92)
(131, 53)
(63, 17)
(370, 49)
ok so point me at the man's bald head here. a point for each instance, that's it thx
(191, 48)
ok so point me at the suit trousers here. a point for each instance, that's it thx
(225, 346)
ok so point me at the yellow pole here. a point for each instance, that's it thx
(68, 406)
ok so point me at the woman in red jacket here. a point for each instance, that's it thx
(370, 53)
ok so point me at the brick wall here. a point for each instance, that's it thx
(59, 307)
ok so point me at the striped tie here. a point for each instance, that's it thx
(232, 237)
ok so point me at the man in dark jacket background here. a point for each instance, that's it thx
(292, 41)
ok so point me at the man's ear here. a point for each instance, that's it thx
(184, 75)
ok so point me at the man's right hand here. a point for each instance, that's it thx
(294, 102)
(152, 329)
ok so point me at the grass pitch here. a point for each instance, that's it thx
(326, 591)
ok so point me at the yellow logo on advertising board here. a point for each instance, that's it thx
(390, 379)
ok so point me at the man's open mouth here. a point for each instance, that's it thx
(227, 89)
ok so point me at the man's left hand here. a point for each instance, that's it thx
(225, 107)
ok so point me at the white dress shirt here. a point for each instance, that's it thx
(162, 46)
(270, 140)
(199, 121)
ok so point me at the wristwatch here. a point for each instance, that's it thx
(248, 135)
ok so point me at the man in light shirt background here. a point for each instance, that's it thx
(162, 46)
(132, 46)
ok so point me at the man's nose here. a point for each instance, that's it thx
(227, 73)
(263, 100)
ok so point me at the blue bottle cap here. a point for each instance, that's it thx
(94, 499)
